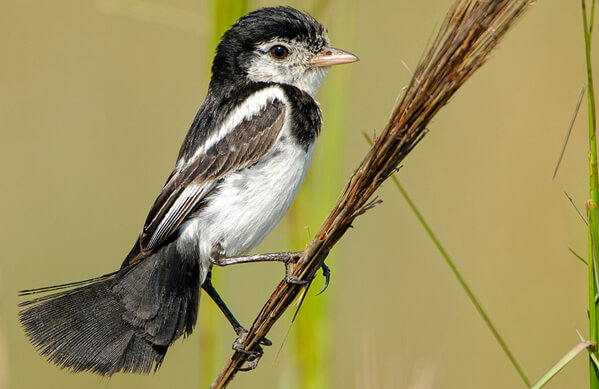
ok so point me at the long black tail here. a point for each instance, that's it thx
(122, 321)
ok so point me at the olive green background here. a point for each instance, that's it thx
(96, 96)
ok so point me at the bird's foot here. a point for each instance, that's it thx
(252, 357)
(289, 262)
(290, 278)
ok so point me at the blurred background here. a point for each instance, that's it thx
(96, 97)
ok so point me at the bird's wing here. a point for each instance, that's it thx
(243, 140)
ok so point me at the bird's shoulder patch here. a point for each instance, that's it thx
(305, 114)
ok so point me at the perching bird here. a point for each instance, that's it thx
(238, 171)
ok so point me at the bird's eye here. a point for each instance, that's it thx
(279, 51)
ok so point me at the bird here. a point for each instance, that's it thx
(238, 170)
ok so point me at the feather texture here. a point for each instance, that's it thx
(242, 146)
(124, 322)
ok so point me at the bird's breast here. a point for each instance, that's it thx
(248, 203)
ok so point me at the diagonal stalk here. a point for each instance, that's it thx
(464, 41)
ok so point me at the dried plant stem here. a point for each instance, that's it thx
(468, 35)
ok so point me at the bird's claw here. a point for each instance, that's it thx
(265, 342)
(252, 357)
(290, 278)
(326, 272)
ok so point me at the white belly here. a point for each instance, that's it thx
(249, 203)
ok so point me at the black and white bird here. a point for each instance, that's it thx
(238, 171)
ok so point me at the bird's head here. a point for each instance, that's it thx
(279, 45)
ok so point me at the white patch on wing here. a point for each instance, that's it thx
(181, 206)
(248, 109)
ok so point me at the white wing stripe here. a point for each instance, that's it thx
(181, 206)
(248, 109)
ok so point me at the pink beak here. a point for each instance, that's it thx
(330, 56)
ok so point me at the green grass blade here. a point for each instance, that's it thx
(311, 333)
(578, 256)
(569, 132)
(591, 21)
(593, 235)
(584, 219)
(459, 277)
(593, 357)
(570, 355)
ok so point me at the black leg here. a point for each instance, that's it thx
(209, 288)
(251, 356)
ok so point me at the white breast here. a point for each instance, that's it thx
(249, 203)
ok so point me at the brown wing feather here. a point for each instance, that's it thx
(244, 146)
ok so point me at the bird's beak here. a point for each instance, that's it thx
(330, 56)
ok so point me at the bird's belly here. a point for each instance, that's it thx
(249, 203)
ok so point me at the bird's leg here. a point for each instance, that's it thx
(217, 257)
(288, 258)
(251, 356)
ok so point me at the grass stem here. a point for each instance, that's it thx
(593, 195)
(313, 328)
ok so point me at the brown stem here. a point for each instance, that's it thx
(470, 32)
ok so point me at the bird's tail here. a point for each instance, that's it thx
(123, 321)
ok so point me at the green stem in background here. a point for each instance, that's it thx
(459, 277)
(223, 15)
(318, 8)
(593, 197)
(312, 328)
